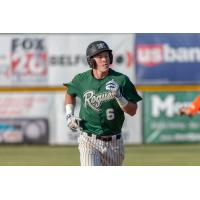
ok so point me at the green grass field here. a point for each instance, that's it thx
(136, 155)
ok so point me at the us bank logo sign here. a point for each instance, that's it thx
(167, 58)
(154, 55)
(28, 60)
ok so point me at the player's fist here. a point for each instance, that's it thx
(73, 122)
(114, 88)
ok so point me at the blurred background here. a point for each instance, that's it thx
(165, 69)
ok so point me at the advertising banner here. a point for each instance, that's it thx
(28, 131)
(67, 54)
(23, 60)
(26, 117)
(162, 124)
(39, 118)
(52, 59)
(167, 58)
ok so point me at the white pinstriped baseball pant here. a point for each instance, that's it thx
(95, 152)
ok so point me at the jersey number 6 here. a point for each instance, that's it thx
(110, 114)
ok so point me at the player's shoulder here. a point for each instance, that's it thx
(80, 78)
(118, 74)
(83, 75)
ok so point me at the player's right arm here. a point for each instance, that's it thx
(192, 109)
(69, 105)
(72, 121)
(69, 99)
(70, 95)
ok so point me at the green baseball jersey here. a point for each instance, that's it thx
(100, 112)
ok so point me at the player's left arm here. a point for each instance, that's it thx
(130, 108)
(126, 96)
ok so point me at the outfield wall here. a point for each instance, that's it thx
(33, 67)
(167, 70)
(39, 117)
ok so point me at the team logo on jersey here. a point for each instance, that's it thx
(95, 100)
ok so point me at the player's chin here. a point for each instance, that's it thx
(105, 68)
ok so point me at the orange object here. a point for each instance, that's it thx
(195, 106)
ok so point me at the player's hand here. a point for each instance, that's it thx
(73, 122)
(184, 111)
(114, 88)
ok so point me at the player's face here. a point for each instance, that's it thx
(102, 61)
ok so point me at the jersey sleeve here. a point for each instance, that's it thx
(195, 106)
(129, 91)
(73, 87)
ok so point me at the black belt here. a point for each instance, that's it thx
(105, 138)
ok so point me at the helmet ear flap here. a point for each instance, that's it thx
(92, 63)
(111, 57)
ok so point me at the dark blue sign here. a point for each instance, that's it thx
(167, 58)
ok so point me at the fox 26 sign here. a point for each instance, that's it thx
(29, 59)
(167, 58)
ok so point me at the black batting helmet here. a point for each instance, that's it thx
(95, 48)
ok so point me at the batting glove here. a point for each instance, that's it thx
(114, 88)
(73, 122)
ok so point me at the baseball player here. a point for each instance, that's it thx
(192, 109)
(105, 95)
